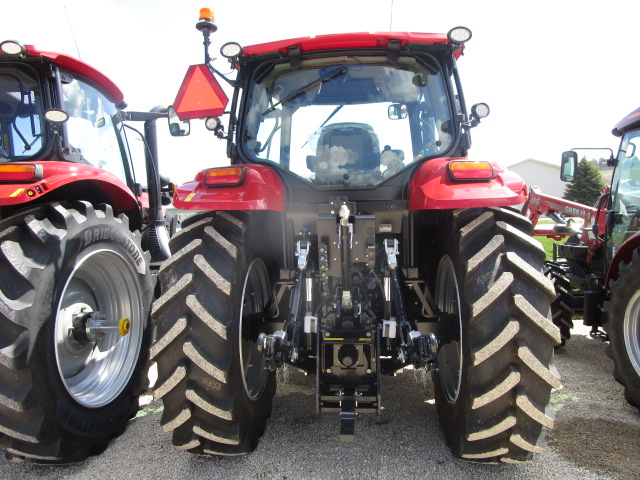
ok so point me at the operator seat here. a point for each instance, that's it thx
(359, 142)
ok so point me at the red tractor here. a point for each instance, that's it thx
(350, 238)
(597, 272)
(75, 227)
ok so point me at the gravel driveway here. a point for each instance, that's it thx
(597, 436)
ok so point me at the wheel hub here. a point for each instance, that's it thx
(90, 327)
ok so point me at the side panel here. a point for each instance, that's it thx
(431, 188)
(262, 189)
(56, 175)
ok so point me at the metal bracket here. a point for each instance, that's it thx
(272, 347)
(302, 252)
(391, 250)
(425, 298)
(424, 349)
(344, 214)
(295, 56)
(393, 50)
(348, 420)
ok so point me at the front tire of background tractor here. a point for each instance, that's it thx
(216, 393)
(495, 376)
(623, 328)
(66, 392)
(562, 304)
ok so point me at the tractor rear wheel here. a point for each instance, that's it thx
(75, 294)
(216, 393)
(623, 328)
(495, 371)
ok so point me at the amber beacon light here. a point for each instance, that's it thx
(206, 21)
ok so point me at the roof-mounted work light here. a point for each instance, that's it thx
(459, 35)
(11, 47)
(231, 50)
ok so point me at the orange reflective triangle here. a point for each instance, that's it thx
(200, 95)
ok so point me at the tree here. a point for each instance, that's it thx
(587, 186)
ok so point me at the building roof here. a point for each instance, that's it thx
(533, 160)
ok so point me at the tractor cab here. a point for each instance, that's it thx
(86, 119)
(64, 134)
(625, 187)
(340, 112)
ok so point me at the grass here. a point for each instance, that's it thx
(547, 243)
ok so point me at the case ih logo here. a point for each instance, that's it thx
(575, 211)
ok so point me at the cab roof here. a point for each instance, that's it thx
(81, 68)
(629, 122)
(341, 41)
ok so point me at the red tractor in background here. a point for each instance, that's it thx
(596, 272)
(351, 238)
(80, 235)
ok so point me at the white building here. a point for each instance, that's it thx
(540, 174)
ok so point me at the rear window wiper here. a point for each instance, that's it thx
(318, 81)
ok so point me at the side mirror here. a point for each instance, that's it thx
(397, 111)
(568, 166)
(177, 127)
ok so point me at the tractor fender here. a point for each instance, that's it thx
(79, 181)
(431, 188)
(623, 254)
(259, 189)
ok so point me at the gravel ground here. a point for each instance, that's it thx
(597, 436)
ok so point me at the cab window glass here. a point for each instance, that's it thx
(92, 127)
(626, 193)
(21, 124)
(348, 121)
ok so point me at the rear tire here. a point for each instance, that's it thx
(211, 378)
(495, 375)
(623, 328)
(63, 396)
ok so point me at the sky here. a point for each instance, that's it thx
(556, 74)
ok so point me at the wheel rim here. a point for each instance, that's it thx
(96, 372)
(449, 358)
(254, 298)
(632, 331)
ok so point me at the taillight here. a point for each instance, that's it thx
(468, 171)
(224, 177)
(20, 172)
